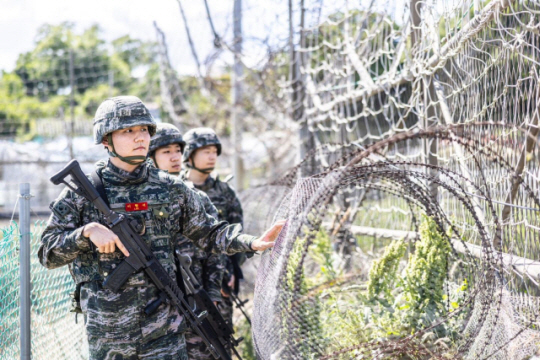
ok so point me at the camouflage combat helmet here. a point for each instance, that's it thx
(166, 134)
(118, 113)
(196, 139)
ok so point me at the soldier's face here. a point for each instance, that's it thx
(205, 157)
(169, 158)
(132, 141)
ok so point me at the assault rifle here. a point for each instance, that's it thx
(141, 258)
(234, 297)
(233, 292)
(214, 323)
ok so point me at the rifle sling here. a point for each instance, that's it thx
(180, 278)
(96, 177)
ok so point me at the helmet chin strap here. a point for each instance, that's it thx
(131, 160)
(192, 166)
(153, 157)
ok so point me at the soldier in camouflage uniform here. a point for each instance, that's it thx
(166, 148)
(116, 325)
(202, 149)
(168, 144)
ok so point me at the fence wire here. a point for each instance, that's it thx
(55, 334)
(414, 230)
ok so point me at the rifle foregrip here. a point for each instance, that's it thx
(118, 277)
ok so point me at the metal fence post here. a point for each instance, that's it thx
(24, 256)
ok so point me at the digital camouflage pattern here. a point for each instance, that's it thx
(198, 138)
(229, 209)
(121, 112)
(166, 134)
(124, 332)
(207, 268)
(168, 347)
(117, 321)
(224, 198)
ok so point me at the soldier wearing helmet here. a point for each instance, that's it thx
(166, 148)
(200, 156)
(75, 235)
(122, 113)
(201, 138)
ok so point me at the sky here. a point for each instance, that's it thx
(263, 19)
(20, 19)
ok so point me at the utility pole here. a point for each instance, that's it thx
(200, 77)
(293, 75)
(25, 274)
(429, 115)
(71, 104)
(236, 113)
(298, 91)
(172, 95)
(111, 83)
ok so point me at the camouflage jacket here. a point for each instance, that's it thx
(207, 268)
(229, 209)
(170, 209)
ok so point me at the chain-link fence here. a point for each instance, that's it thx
(54, 332)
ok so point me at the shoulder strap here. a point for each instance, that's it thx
(224, 185)
(98, 183)
(217, 182)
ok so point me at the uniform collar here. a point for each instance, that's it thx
(207, 185)
(115, 175)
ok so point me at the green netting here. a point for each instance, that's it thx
(9, 293)
(55, 335)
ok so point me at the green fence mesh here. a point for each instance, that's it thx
(55, 334)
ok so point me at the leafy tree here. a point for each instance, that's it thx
(40, 85)
(17, 109)
(45, 70)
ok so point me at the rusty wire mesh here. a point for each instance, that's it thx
(425, 118)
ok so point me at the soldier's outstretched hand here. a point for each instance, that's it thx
(268, 239)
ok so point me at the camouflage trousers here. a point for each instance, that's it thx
(196, 348)
(118, 329)
(225, 307)
(168, 347)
